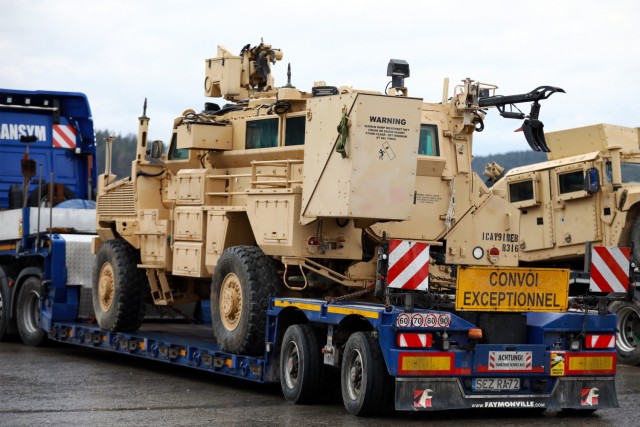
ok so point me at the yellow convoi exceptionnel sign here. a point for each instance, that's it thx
(512, 289)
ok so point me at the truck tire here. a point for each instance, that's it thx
(4, 312)
(67, 194)
(301, 376)
(28, 313)
(634, 238)
(119, 287)
(366, 384)
(628, 335)
(242, 284)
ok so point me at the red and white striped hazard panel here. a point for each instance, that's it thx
(415, 340)
(600, 341)
(408, 265)
(609, 269)
(64, 136)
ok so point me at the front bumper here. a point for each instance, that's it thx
(445, 393)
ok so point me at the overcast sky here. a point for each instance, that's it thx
(118, 52)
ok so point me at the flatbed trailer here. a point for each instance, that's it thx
(429, 357)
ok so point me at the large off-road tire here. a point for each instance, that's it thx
(243, 282)
(119, 287)
(4, 312)
(28, 313)
(301, 376)
(628, 335)
(366, 384)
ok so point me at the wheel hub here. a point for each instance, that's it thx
(629, 329)
(106, 287)
(230, 302)
(292, 365)
(354, 385)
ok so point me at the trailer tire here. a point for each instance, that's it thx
(301, 375)
(67, 194)
(243, 281)
(4, 312)
(366, 385)
(119, 287)
(628, 335)
(28, 313)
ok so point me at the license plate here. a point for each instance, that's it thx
(496, 384)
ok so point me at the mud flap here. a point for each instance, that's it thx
(433, 394)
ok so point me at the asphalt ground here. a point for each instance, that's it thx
(73, 386)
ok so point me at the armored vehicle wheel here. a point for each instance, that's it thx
(118, 287)
(366, 384)
(28, 313)
(242, 284)
(300, 365)
(628, 336)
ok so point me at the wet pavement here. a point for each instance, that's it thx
(74, 386)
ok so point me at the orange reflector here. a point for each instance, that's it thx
(183, 352)
(425, 363)
(475, 333)
(585, 363)
(600, 341)
(228, 363)
(415, 340)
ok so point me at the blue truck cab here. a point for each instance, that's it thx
(60, 128)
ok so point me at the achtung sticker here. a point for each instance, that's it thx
(557, 364)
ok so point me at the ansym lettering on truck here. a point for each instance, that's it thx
(15, 131)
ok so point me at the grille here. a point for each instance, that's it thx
(119, 201)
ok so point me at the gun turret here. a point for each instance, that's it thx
(237, 77)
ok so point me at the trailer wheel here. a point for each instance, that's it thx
(628, 335)
(4, 313)
(301, 376)
(28, 313)
(366, 384)
(242, 284)
(118, 287)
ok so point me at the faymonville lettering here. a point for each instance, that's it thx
(387, 120)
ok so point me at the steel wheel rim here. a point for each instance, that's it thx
(629, 329)
(354, 376)
(230, 303)
(106, 287)
(292, 365)
(1, 306)
(31, 315)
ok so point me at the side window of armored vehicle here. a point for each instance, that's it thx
(294, 133)
(630, 172)
(608, 169)
(262, 133)
(571, 182)
(428, 145)
(521, 191)
(174, 152)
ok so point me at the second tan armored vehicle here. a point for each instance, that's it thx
(285, 191)
(587, 191)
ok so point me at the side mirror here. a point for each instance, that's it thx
(156, 149)
(592, 181)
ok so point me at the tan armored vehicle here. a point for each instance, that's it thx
(588, 191)
(284, 191)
